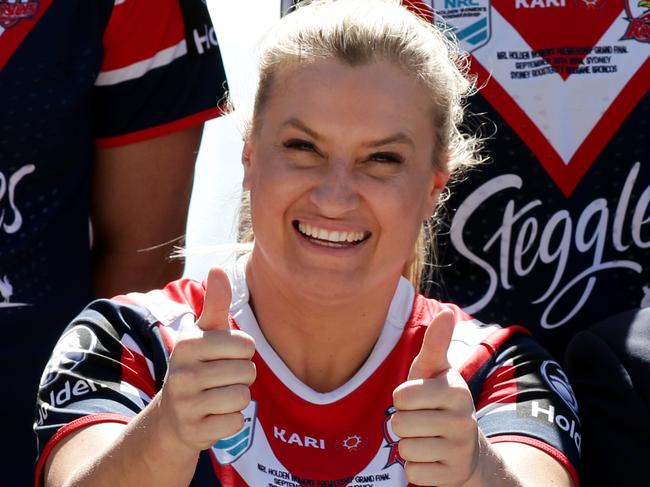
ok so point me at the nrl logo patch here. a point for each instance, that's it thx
(468, 20)
(13, 12)
(228, 450)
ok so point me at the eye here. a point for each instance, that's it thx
(387, 157)
(301, 145)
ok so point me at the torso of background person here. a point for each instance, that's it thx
(73, 75)
(553, 233)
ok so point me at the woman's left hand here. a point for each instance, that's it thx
(435, 416)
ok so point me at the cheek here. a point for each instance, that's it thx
(400, 210)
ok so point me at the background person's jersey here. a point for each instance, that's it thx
(74, 74)
(113, 358)
(554, 232)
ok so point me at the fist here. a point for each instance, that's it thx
(210, 371)
(435, 414)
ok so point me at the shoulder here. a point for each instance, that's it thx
(474, 344)
(614, 351)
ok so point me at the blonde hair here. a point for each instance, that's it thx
(360, 32)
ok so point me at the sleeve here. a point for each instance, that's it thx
(609, 367)
(524, 396)
(162, 71)
(106, 367)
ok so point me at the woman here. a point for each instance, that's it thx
(314, 362)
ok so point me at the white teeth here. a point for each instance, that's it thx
(326, 235)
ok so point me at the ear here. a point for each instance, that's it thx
(246, 156)
(438, 182)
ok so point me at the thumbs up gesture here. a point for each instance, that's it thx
(210, 371)
(435, 414)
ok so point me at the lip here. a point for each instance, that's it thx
(330, 247)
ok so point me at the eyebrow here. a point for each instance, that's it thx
(296, 123)
(397, 138)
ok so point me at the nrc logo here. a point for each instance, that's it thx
(228, 450)
(461, 3)
(234, 445)
(468, 20)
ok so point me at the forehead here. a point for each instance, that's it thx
(377, 96)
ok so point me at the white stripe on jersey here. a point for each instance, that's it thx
(128, 342)
(496, 407)
(467, 336)
(140, 68)
(130, 390)
(170, 313)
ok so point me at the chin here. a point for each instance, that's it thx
(328, 283)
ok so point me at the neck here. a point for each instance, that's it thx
(322, 341)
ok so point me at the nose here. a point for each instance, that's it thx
(336, 192)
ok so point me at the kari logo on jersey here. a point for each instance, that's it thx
(468, 20)
(70, 351)
(558, 381)
(12, 12)
(297, 439)
(228, 450)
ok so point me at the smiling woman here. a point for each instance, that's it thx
(313, 361)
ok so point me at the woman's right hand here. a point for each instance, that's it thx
(210, 371)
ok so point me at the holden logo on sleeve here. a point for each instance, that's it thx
(228, 450)
(71, 350)
(558, 381)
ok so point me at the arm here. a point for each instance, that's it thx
(140, 199)
(204, 392)
(528, 464)
(443, 442)
(104, 455)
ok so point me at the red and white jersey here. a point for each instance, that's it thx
(113, 357)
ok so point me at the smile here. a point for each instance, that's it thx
(330, 238)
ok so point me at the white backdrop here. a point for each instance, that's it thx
(217, 182)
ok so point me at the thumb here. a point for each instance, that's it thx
(432, 359)
(216, 305)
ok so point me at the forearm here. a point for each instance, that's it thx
(491, 470)
(140, 200)
(516, 465)
(144, 454)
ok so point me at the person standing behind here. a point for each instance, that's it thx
(554, 233)
(102, 108)
(609, 367)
